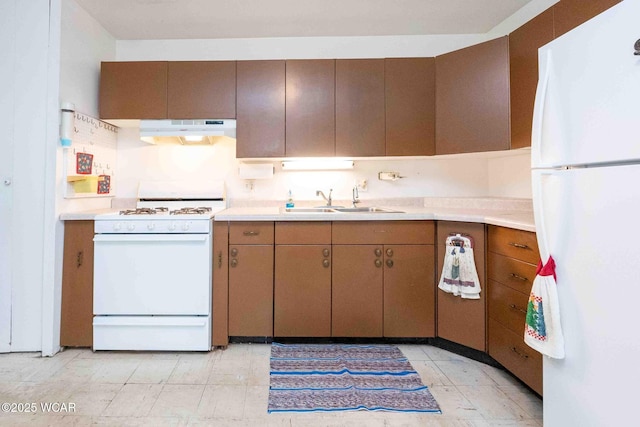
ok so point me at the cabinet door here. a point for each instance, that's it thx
(462, 320)
(302, 291)
(360, 122)
(220, 294)
(472, 99)
(133, 90)
(568, 14)
(76, 323)
(310, 111)
(356, 299)
(523, 65)
(260, 109)
(201, 90)
(409, 297)
(410, 99)
(251, 290)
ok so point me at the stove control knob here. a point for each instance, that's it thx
(131, 227)
(185, 226)
(172, 226)
(117, 226)
(151, 226)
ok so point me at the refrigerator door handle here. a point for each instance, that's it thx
(538, 212)
(538, 110)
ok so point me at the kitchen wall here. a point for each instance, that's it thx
(84, 44)
(469, 175)
(475, 175)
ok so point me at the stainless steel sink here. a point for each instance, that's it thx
(367, 210)
(309, 210)
(340, 210)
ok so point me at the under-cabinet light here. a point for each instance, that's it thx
(317, 164)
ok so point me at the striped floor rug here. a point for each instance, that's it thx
(340, 377)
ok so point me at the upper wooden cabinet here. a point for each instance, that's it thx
(523, 63)
(260, 109)
(310, 111)
(173, 90)
(568, 14)
(472, 98)
(201, 90)
(133, 90)
(360, 107)
(410, 90)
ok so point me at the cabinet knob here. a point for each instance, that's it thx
(378, 263)
(234, 262)
(378, 252)
(234, 252)
(389, 263)
(389, 252)
(326, 252)
(326, 263)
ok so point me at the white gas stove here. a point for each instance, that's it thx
(153, 269)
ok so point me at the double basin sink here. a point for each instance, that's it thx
(340, 209)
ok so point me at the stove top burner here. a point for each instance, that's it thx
(143, 211)
(190, 211)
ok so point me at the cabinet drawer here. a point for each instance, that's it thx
(303, 233)
(251, 233)
(511, 272)
(516, 244)
(507, 306)
(383, 232)
(509, 349)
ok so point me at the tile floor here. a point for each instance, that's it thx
(230, 387)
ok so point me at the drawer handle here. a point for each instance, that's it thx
(515, 307)
(80, 259)
(251, 233)
(515, 276)
(522, 355)
(518, 245)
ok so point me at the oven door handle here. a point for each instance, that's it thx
(150, 237)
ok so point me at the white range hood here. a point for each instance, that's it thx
(187, 132)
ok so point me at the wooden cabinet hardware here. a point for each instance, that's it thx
(378, 263)
(326, 263)
(518, 245)
(515, 276)
(389, 263)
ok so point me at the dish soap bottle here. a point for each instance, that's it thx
(290, 203)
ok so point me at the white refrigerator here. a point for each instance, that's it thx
(585, 158)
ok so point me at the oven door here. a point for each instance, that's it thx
(161, 274)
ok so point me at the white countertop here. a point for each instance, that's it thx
(520, 220)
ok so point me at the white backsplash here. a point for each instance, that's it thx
(444, 176)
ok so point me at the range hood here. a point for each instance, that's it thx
(187, 132)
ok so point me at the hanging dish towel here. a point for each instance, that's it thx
(542, 326)
(459, 275)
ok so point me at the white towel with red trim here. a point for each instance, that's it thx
(459, 275)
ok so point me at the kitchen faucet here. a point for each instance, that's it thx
(328, 199)
(354, 196)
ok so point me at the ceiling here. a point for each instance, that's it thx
(211, 19)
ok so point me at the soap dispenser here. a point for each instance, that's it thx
(290, 203)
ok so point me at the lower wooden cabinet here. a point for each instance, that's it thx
(357, 293)
(462, 320)
(251, 290)
(76, 323)
(509, 349)
(302, 291)
(409, 300)
(510, 275)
